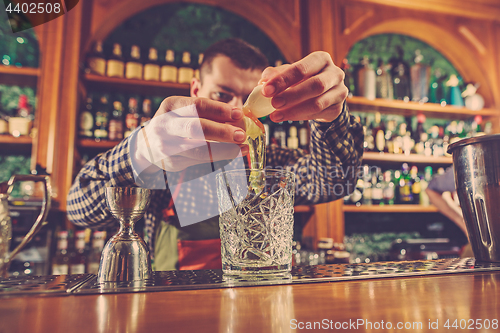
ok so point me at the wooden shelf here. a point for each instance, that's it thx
(361, 104)
(21, 76)
(390, 209)
(401, 158)
(303, 209)
(11, 140)
(143, 87)
(97, 145)
(13, 145)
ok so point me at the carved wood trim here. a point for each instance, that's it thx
(481, 49)
(283, 28)
(358, 22)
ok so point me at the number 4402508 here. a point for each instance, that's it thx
(34, 8)
(472, 324)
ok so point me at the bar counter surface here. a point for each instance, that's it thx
(454, 302)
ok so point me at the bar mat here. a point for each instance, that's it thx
(47, 284)
(209, 279)
(58, 285)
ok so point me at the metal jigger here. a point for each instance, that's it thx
(126, 256)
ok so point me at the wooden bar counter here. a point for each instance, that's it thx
(473, 299)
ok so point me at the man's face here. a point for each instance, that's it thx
(226, 82)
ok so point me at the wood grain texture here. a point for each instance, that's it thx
(263, 309)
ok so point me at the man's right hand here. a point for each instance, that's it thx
(187, 131)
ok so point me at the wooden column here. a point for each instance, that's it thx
(69, 102)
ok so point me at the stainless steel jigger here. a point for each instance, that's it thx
(125, 256)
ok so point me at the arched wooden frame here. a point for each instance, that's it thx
(465, 57)
(282, 30)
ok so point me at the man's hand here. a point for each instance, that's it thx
(311, 88)
(186, 131)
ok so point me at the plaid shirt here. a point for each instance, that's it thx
(328, 173)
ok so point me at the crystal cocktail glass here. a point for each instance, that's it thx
(256, 221)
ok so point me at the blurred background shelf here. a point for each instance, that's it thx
(99, 145)
(13, 145)
(136, 86)
(373, 157)
(389, 209)
(21, 76)
(361, 104)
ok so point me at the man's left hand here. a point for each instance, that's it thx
(311, 88)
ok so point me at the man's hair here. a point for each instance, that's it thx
(241, 53)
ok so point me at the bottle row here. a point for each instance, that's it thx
(170, 68)
(415, 135)
(113, 116)
(79, 254)
(405, 186)
(396, 79)
(290, 134)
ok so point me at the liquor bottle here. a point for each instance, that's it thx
(115, 131)
(475, 128)
(357, 194)
(267, 129)
(383, 81)
(94, 257)
(280, 135)
(132, 117)
(388, 188)
(419, 135)
(455, 95)
(369, 143)
(102, 119)
(304, 135)
(390, 135)
(400, 77)
(397, 178)
(348, 79)
(133, 67)
(416, 188)
(115, 66)
(96, 61)
(78, 258)
(437, 91)
(424, 182)
(378, 187)
(197, 69)
(367, 181)
(378, 133)
(366, 79)
(405, 193)
(169, 69)
(152, 68)
(86, 125)
(60, 262)
(398, 139)
(147, 112)
(186, 70)
(408, 142)
(292, 141)
(420, 74)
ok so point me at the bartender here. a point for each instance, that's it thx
(310, 89)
